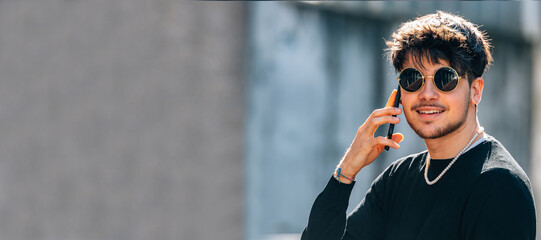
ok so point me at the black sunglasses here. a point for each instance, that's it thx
(445, 79)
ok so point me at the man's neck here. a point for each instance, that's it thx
(451, 144)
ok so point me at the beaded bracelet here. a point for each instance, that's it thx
(339, 174)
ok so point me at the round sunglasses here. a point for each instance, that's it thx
(445, 79)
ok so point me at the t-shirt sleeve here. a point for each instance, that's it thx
(500, 206)
(328, 215)
(366, 222)
(328, 220)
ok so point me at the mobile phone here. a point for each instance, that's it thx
(391, 126)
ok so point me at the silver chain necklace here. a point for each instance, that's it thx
(448, 166)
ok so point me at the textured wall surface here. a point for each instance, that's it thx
(121, 120)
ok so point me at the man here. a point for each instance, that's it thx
(466, 185)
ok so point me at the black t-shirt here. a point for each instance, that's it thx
(484, 195)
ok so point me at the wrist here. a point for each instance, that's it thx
(347, 169)
(343, 177)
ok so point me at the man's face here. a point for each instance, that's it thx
(430, 112)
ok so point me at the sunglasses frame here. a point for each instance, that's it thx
(423, 79)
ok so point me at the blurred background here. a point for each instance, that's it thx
(216, 120)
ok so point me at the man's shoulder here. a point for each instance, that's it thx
(412, 161)
(498, 157)
(500, 164)
(402, 168)
(504, 182)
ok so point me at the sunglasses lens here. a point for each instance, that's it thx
(410, 79)
(446, 79)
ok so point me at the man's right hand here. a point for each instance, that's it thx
(366, 147)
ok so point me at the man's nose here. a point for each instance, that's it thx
(428, 92)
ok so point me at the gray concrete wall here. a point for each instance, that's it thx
(121, 120)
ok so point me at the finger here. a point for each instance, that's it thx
(398, 137)
(385, 112)
(383, 141)
(380, 117)
(390, 102)
(383, 120)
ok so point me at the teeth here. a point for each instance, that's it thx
(430, 112)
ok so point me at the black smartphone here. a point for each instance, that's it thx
(391, 126)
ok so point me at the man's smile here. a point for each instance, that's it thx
(429, 113)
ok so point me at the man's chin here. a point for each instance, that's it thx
(429, 131)
(429, 136)
(432, 134)
(426, 131)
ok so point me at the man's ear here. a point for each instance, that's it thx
(477, 90)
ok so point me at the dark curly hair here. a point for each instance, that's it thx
(438, 36)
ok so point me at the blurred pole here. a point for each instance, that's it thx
(532, 24)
